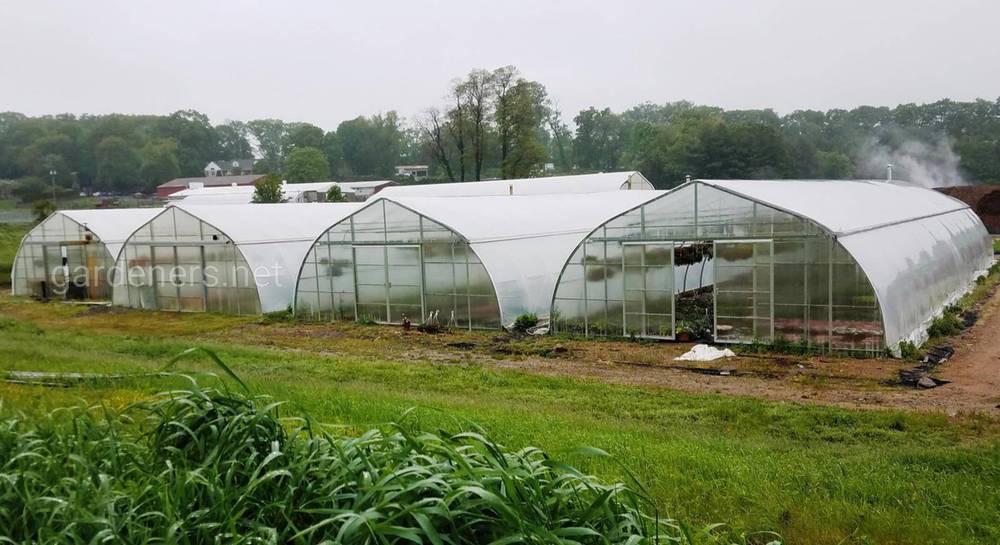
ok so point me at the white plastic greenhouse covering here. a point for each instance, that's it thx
(273, 238)
(111, 226)
(581, 183)
(919, 248)
(523, 242)
(243, 194)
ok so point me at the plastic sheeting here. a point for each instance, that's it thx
(110, 226)
(920, 249)
(844, 206)
(524, 241)
(243, 194)
(582, 183)
(114, 225)
(273, 238)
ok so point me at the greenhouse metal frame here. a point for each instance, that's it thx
(232, 259)
(71, 253)
(846, 265)
(479, 262)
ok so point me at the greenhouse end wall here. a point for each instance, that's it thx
(387, 262)
(178, 262)
(60, 258)
(777, 277)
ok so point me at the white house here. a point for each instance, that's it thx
(231, 167)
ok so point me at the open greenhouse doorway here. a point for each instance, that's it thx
(669, 290)
(694, 291)
(75, 270)
(712, 291)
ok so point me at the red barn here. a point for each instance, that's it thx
(178, 184)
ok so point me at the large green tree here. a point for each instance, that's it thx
(197, 141)
(270, 138)
(600, 139)
(371, 145)
(118, 165)
(159, 163)
(307, 165)
(234, 140)
(304, 135)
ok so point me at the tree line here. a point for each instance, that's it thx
(498, 124)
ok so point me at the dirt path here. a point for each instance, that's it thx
(974, 371)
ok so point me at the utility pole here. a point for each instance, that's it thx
(53, 173)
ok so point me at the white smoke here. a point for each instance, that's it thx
(914, 161)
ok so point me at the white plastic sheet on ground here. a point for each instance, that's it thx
(704, 352)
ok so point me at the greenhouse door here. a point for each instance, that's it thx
(55, 260)
(649, 289)
(389, 283)
(744, 291)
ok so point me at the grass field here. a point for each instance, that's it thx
(10, 238)
(813, 474)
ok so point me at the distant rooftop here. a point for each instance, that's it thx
(213, 181)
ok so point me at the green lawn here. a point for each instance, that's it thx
(813, 474)
(10, 238)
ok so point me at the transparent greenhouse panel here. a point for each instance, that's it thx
(178, 263)
(743, 291)
(649, 289)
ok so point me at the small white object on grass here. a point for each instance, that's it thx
(704, 352)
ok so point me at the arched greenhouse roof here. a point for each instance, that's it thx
(844, 206)
(919, 248)
(112, 226)
(524, 241)
(580, 183)
(273, 238)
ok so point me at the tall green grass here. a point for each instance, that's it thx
(204, 465)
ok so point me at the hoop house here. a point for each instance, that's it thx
(72, 253)
(478, 262)
(851, 265)
(581, 183)
(232, 259)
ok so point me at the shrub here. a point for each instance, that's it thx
(524, 322)
(334, 194)
(908, 351)
(268, 190)
(945, 325)
(42, 210)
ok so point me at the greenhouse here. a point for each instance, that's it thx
(580, 183)
(845, 265)
(232, 259)
(71, 254)
(475, 262)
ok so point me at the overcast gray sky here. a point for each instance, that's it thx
(327, 61)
